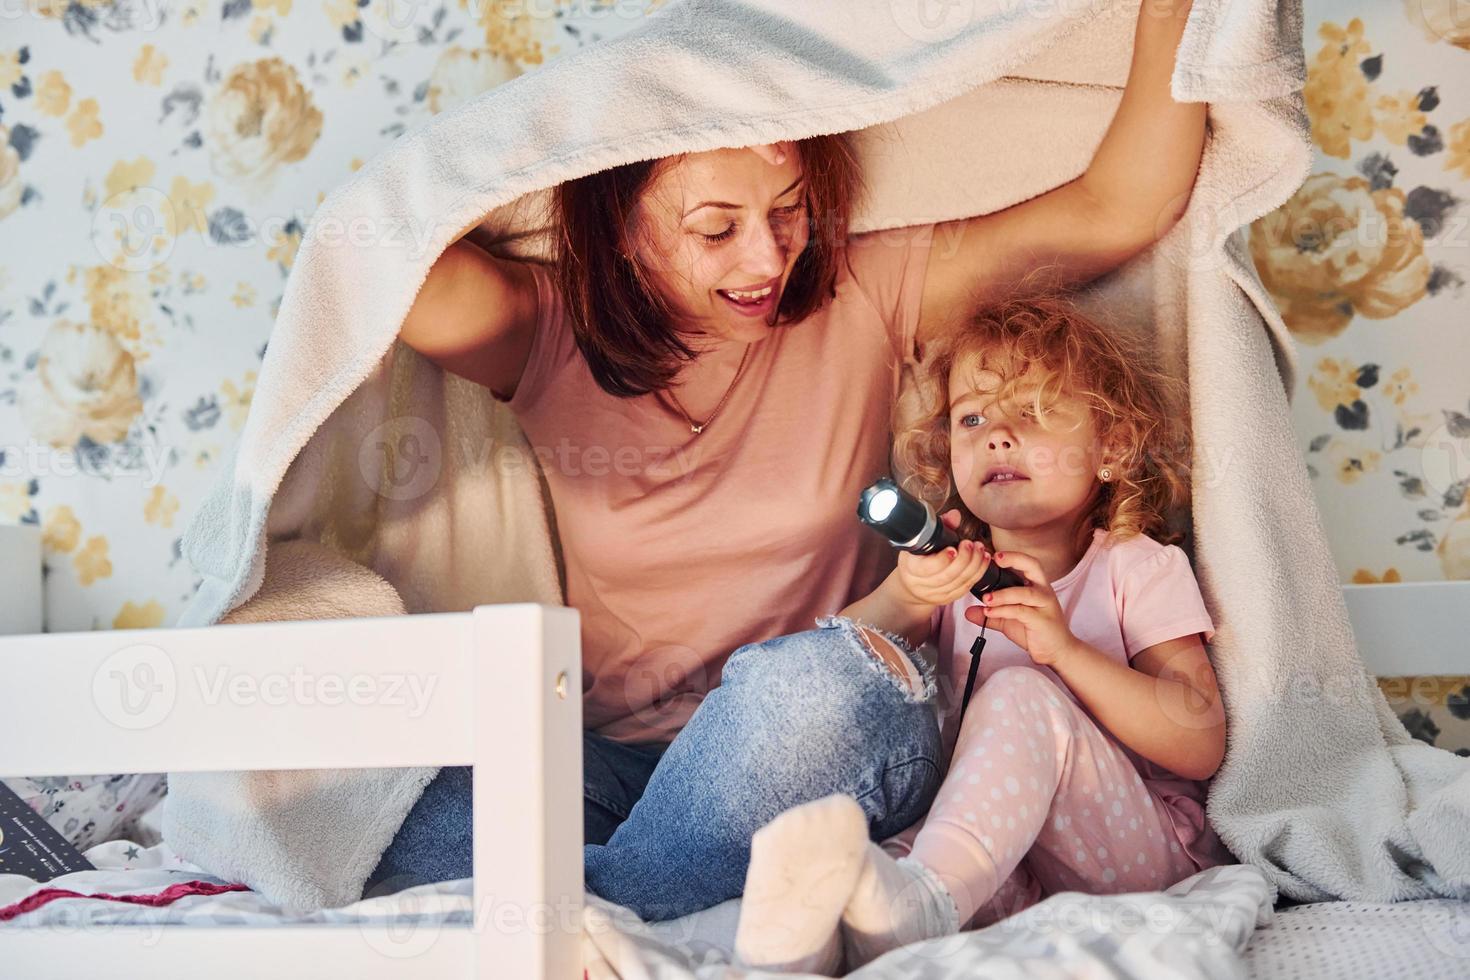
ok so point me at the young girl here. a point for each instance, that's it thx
(1081, 762)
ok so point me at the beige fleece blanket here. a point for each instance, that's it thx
(360, 447)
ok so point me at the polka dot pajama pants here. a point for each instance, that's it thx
(1039, 799)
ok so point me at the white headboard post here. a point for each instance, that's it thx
(20, 579)
(534, 745)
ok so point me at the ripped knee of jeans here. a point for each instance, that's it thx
(886, 653)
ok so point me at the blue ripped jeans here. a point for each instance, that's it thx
(794, 718)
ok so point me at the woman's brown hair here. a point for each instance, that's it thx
(1138, 411)
(622, 323)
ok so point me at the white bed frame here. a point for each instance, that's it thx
(506, 700)
(1411, 629)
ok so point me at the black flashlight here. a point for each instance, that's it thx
(909, 523)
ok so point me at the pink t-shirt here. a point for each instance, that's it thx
(1122, 597)
(681, 548)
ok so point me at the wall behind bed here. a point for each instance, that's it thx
(159, 159)
(158, 162)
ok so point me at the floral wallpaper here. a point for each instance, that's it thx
(158, 162)
(1368, 263)
(160, 158)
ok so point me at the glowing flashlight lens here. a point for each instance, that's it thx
(881, 505)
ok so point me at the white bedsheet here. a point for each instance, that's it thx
(1425, 940)
(1197, 928)
(1217, 924)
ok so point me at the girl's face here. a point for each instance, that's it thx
(724, 220)
(1011, 472)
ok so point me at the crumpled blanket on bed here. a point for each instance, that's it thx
(1194, 930)
(1197, 929)
(1322, 790)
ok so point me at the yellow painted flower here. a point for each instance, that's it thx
(53, 95)
(1399, 386)
(92, 562)
(512, 33)
(135, 617)
(281, 7)
(84, 384)
(1336, 248)
(10, 68)
(1398, 117)
(460, 75)
(1350, 460)
(83, 124)
(1423, 425)
(354, 68)
(61, 530)
(342, 13)
(15, 502)
(1457, 156)
(189, 202)
(236, 401)
(261, 117)
(191, 12)
(1364, 577)
(285, 248)
(1454, 547)
(118, 301)
(193, 282)
(244, 295)
(57, 9)
(10, 188)
(126, 177)
(1336, 93)
(1441, 20)
(1334, 383)
(160, 507)
(260, 25)
(149, 65)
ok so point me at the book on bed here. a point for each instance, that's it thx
(30, 846)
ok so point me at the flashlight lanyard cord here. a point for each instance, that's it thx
(975, 649)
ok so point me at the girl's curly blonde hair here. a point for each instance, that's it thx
(1139, 412)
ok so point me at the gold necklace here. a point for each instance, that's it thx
(696, 428)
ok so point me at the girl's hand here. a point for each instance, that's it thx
(1030, 616)
(941, 578)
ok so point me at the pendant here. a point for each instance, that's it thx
(695, 429)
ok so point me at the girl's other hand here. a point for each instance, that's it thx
(944, 576)
(1029, 615)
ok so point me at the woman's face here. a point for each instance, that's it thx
(1010, 470)
(723, 220)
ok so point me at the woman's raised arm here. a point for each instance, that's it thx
(1134, 190)
(475, 315)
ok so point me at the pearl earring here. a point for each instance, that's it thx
(1105, 474)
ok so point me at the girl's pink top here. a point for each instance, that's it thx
(681, 548)
(1122, 597)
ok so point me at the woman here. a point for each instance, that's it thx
(706, 372)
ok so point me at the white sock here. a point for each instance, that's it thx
(895, 902)
(803, 866)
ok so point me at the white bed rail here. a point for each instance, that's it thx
(498, 688)
(1411, 628)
